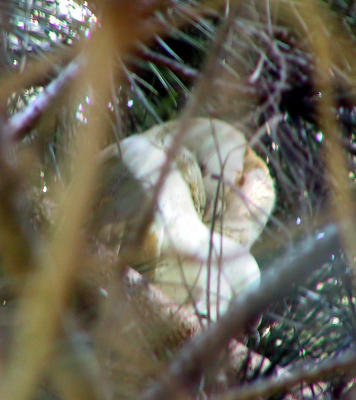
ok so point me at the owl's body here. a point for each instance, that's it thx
(188, 252)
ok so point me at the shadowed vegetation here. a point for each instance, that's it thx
(77, 320)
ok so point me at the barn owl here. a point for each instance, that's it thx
(196, 265)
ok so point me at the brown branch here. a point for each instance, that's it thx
(37, 71)
(200, 354)
(17, 239)
(22, 122)
(307, 373)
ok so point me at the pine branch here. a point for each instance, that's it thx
(200, 354)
